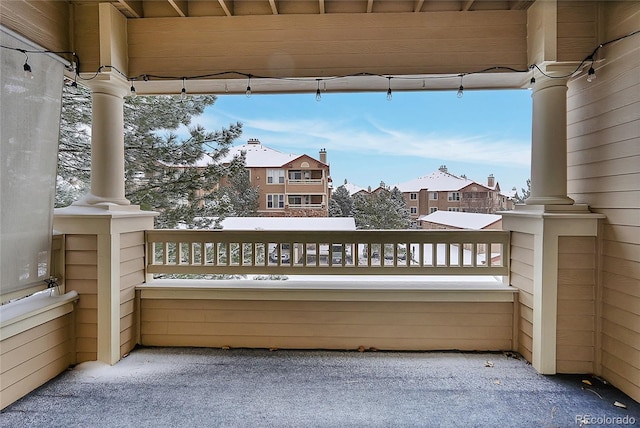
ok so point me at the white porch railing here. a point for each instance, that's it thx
(361, 252)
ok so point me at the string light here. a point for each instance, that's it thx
(75, 61)
(461, 88)
(183, 92)
(318, 94)
(26, 67)
(132, 91)
(248, 91)
(591, 74)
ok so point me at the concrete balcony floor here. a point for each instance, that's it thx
(187, 387)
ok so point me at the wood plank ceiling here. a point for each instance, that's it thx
(192, 8)
(315, 40)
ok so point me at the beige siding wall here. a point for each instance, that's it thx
(131, 274)
(327, 325)
(604, 172)
(82, 276)
(31, 358)
(522, 278)
(44, 22)
(577, 29)
(575, 345)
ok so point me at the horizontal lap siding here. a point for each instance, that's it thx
(327, 325)
(303, 45)
(522, 278)
(604, 172)
(575, 344)
(82, 276)
(31, 358)
(131, 275)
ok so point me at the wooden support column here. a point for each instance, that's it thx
(549, 143)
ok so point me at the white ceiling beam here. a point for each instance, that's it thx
(417, 5)
(180, 6)
(225, 7)
(467, 5)
(133, 7)
(321, 5)
(369, 6)
(274, 6)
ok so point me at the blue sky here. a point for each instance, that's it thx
(369, 139)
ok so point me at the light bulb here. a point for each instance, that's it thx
(591, 74)
(248, 91)
(132, 91)
(389, 95)
(318, 95)
(460, 91)
(183, 94)
(74, 87)
(532, 82)
(27, 70)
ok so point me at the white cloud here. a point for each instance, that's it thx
(363, 135)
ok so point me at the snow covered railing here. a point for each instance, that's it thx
(359, 252)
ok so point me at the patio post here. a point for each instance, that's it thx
(107, 143)
(549, 143)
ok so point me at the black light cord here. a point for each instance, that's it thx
(249, 76)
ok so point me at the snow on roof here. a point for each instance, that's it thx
(461, 220)
(352, 188)
(289, 223)
(437, 181)
(256, 155)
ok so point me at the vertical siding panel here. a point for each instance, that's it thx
(603, 165)
(131, 274)
(575, 344)
(522, 279)
(81, 257)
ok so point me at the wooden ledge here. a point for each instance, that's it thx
(335, 289)
(21, 315)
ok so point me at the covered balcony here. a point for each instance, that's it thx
(559, 286)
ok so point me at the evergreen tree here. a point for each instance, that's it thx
(525, 193)
(334, 208)
(344, 200)
(159, 172)
(383, 209)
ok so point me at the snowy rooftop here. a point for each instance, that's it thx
(437, 181)
(256, 155)
(461, 220)
(352, 188)
(289, 223)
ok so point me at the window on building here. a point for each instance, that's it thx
(454, 196)
(414, 210)
(298, 175)
(432, 210)
(434, 196)
(275, 201)
(454, 209)
(413, 196)
(275, 176)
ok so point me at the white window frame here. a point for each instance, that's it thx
(432, 210)
(414, 210)
(453, 196)
(275, 200)
(434, 196)
(413, 196)
(454, 209)
(275, 176)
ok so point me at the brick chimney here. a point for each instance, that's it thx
(443, 168)
(323, 156)
(491, 181)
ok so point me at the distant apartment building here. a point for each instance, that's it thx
(290, 185)
(442, 191)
